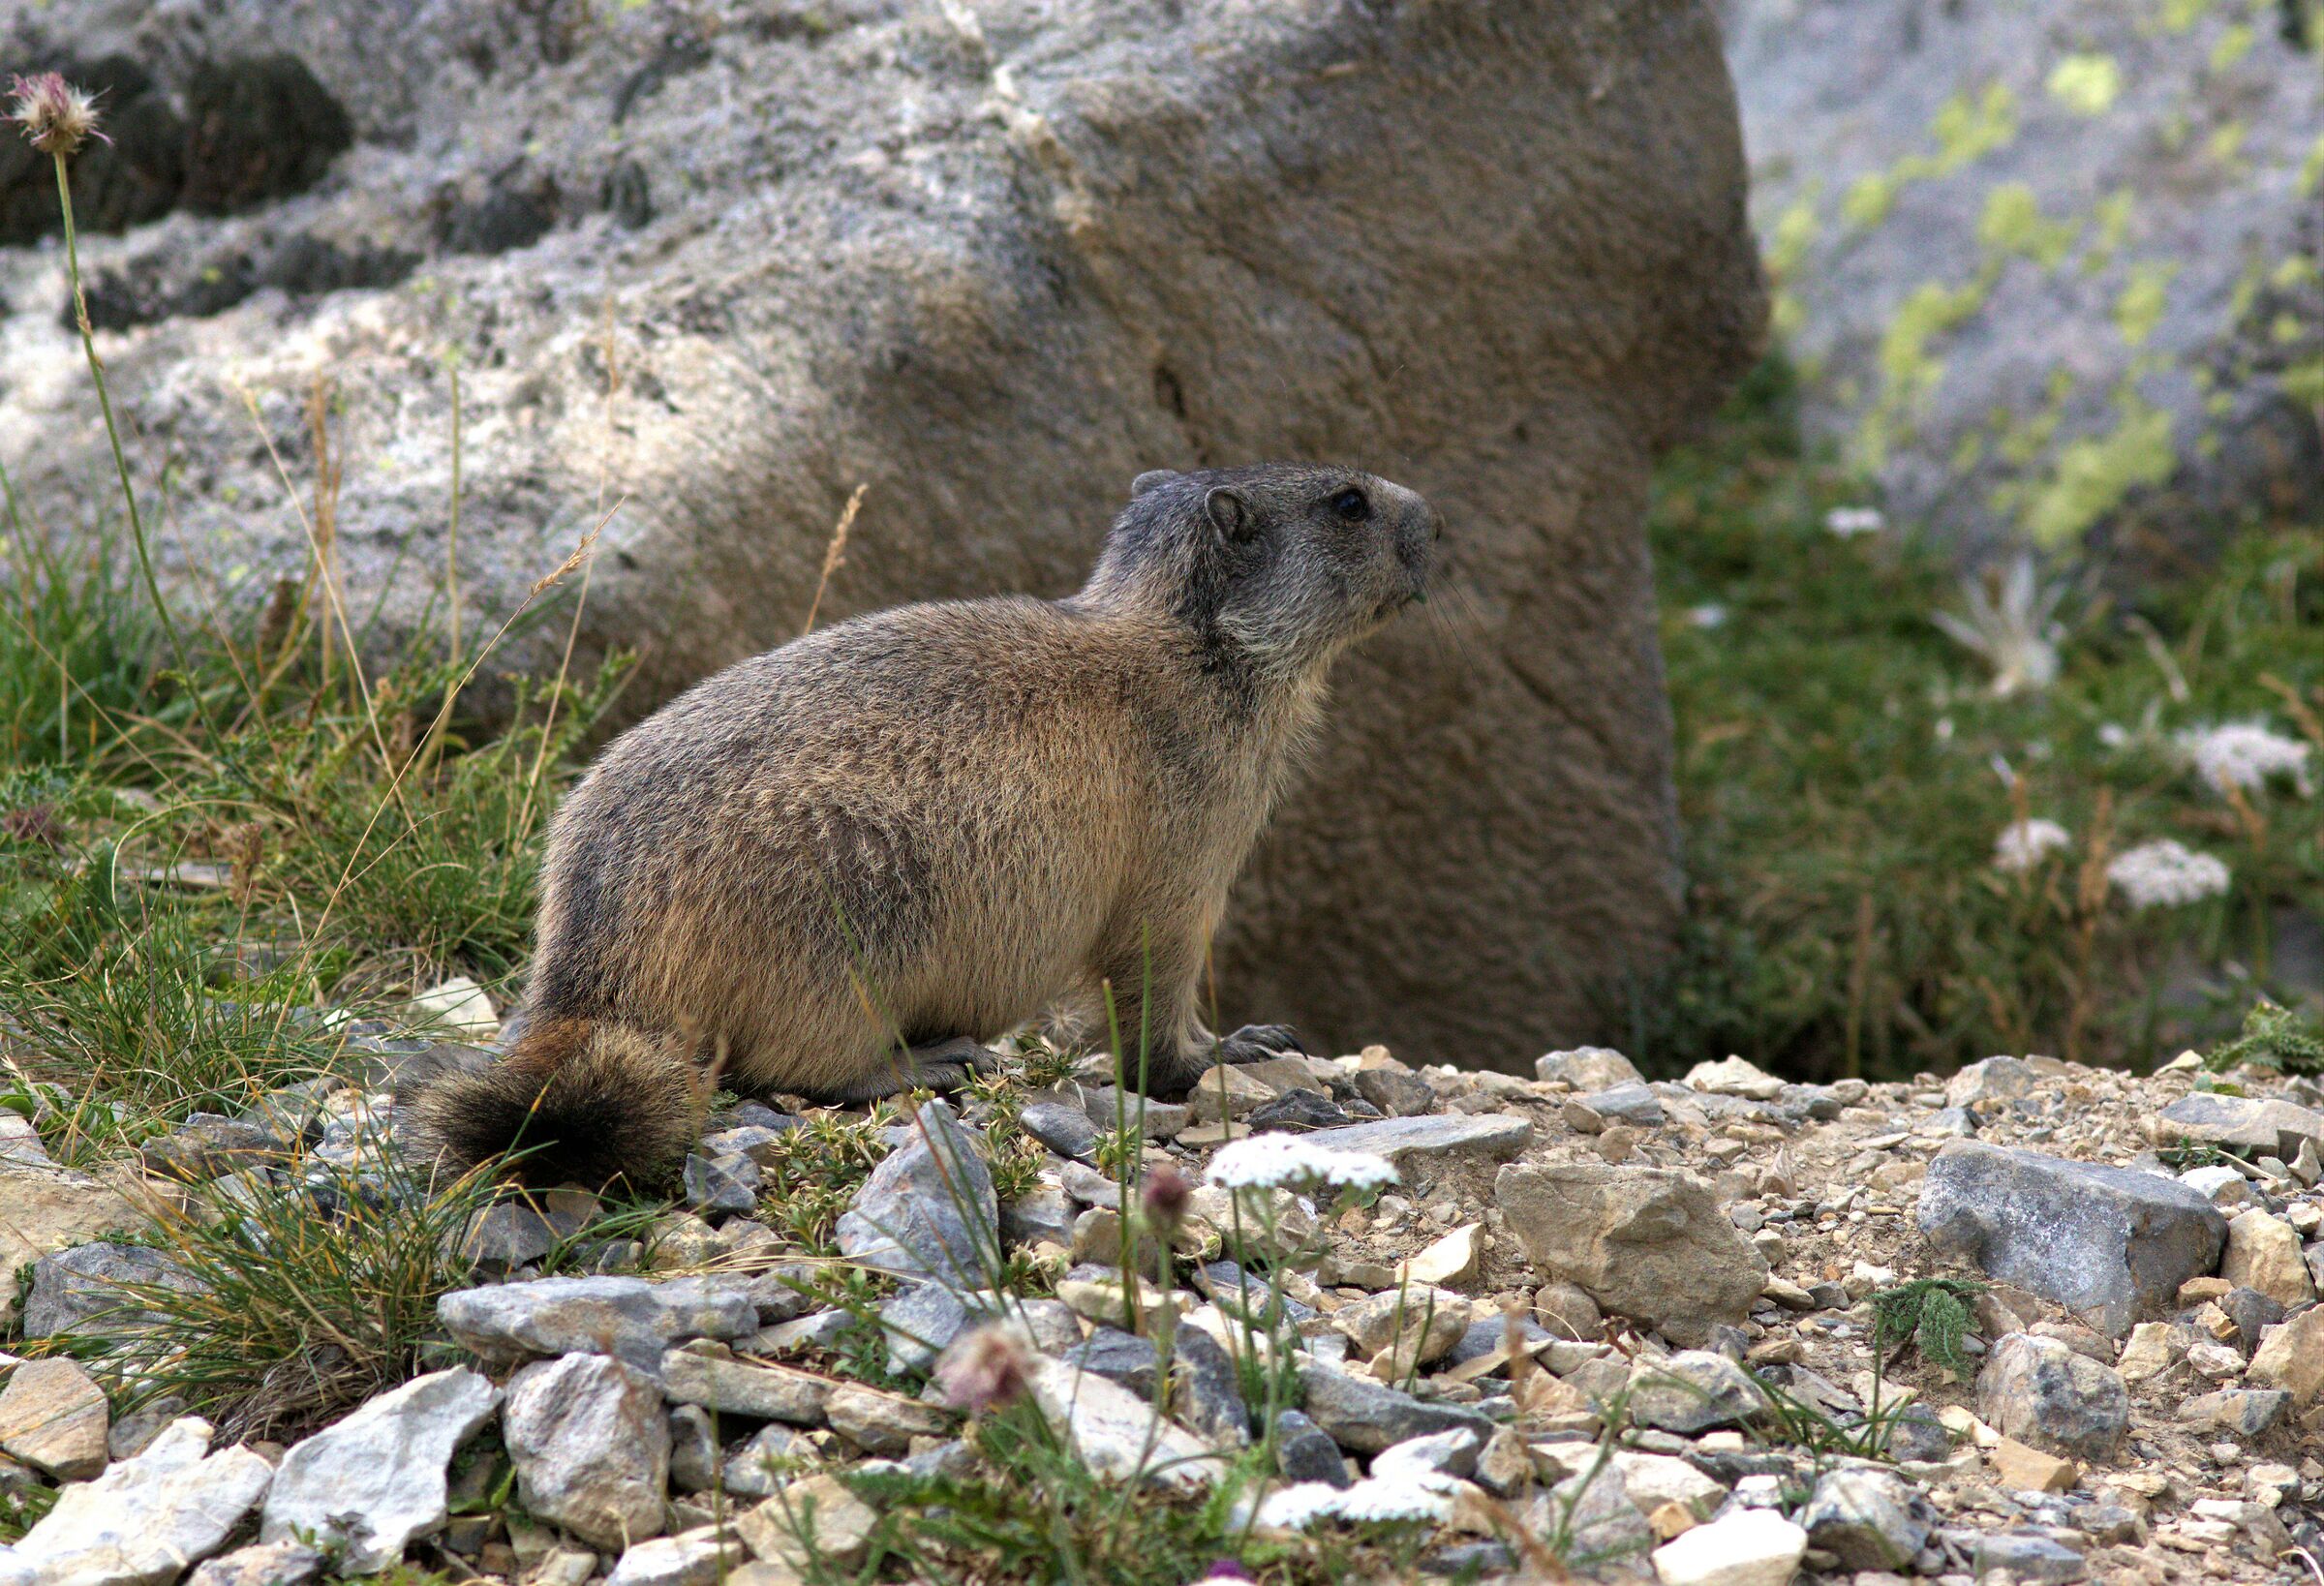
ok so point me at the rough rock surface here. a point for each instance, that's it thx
(1645, 1243)
(146, 1519)
(376, 1480)
(2110, 1244)
(2047, 1395)
(49, 1208)
(929, 1210)
(592, 1446)
(991, 260)
(2051, 266)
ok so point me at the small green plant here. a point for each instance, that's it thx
(810, 1175)
(1929, 1315)
(2272, 1037)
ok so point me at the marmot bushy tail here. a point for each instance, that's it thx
(844, 865)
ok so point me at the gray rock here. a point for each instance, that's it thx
(92, 1287)
(1306, 1453)
(1064, 1130)
(1693, 1392)
(1588, 1069)
(1115, 1433)
(261, 1563)
(693, 1449)
(1119, 1357)
(1452, 1453)
(736, 1387)
(1916, 1436)
(1364, 1416)
(592, 1448)
(53, 1418)
(1633, 1104)
(1297, 1112)
(146, 1519)
(2029, 1558)
(1494, 1136)
(2043, 1394)
(504, 1237)
(1992, 1082)
(927, 1210)
(2083, 370)
(2242, 1123)
(1084, 259)
(819, 1330)
(1206, 1390)
(757, 1468)
(1593, 1510)
(1041, 1214)
(759, 1142)
(921, 1320)
(1868, 1519)
(701, 1557)
(208, 1144)
(1649, 1243)
(1160, 1120)
(884, 1423)
(721, 1185)
(2111, 1244)
(376, 1480)
(1950, 1123)
(626, 1317)
(1397, 1095)
(2253, 1312)
(2240, 1412)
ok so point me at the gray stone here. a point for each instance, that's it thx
(928, 1209)
(1160, 1120)
(261, 1563)
(1397, 1095)
(504, 1237)
(626, 1317)
(2253, 1312)
(53, 1418)
(756, 1467)
(1916, 1436)
(1364, 1416)
(1115, 1433)
(1494, 1136)
(1297, 1112)
(1693, 1392)
(2010, 349)
(701, 1557)
(1119, 1357)
(2242, 1124)
(2044, 1394)
(47, 1209)
(2029, 1558)
(1205, 1389)
(721, 1185)
(2110, 1245)
(1588, 1069)
(1064, 1130)
(1452, 1453)
(759, 1142)
(1868, 1519)
(693, 1449)
(1649, 1243)
(1633, 1104)
(376, 1480)
(208, 1144)
(592, 1448)
(736, 1387)
(1949, 1123)
(1040, 1215)
(817, 1330)
(146, 1519)
(884, 1423)
(922, 1320)
(1306, 1453)
(92, 1287)
(2240, 1412)
(1593, 1510)
(1990, 1082)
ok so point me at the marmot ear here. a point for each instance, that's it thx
(1230, 511)
(1149, 481)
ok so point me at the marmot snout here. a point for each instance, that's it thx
(841, 865)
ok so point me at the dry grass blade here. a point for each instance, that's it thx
(835, 555)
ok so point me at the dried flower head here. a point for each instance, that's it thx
(985, 1370)
(57, 117)
(1167, 1194)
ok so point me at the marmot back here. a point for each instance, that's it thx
(838, 868)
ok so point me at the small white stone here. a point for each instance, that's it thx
(459, 1007)
(1745, 1548)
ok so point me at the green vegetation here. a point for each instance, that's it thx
(1846, 769)
(1929, 1315)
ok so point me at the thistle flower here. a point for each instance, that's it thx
(1167, 1194)
(57, 117)
(2166, 873)
(2026, 844)
(2245, 754)
(2008, 618)
(1287, 1161)
(985, 1370)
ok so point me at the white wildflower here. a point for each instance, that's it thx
(2113, 735)
(2026, 844)
(1374, 1501)
(2245, 754)
(1299, 1506)
(1850, 521)
(1710, 615)
(2167, 873)
(1285, 1161)
(2007, 618)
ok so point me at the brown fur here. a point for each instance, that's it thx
(937, 822)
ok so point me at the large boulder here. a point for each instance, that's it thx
(2048, 265)
(721, 264)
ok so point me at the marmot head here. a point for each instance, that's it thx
(1277, 567)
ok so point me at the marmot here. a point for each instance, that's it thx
(841, 865)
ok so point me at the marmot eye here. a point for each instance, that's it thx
(1350, 506)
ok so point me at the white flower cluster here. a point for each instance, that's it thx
(2166, 873)
(1375, 1499)
(2245, 754)
(2026, 844)
(1850, 521)
(1290, 1162)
